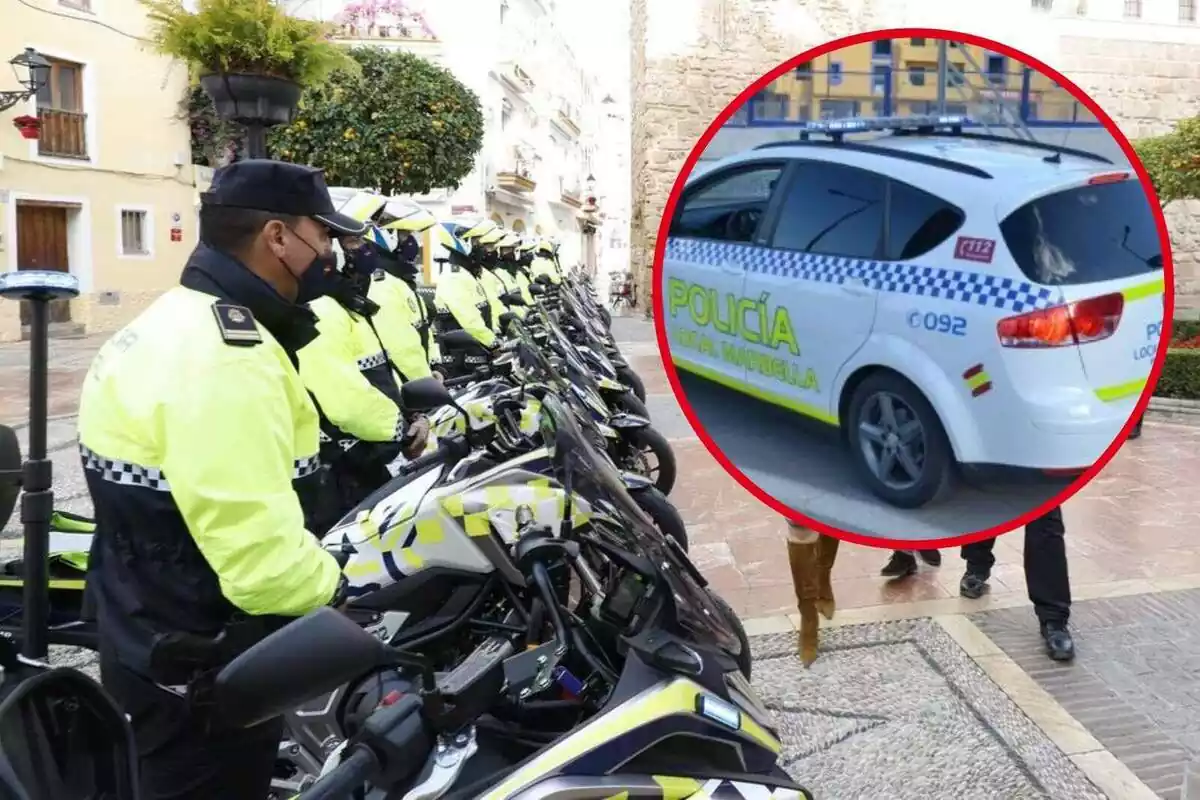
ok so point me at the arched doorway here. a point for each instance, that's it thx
(499, 220)
(518, 226)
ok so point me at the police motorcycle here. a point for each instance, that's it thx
(552, 633)
(596, 344)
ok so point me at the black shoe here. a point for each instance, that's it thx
(901, 565)
(1059, 644)
(973, 585)
(931, 557)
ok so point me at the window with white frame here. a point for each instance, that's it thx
(135, 232)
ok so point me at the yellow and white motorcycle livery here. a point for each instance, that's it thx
(598, 665)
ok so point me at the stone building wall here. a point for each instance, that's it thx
(690, 59)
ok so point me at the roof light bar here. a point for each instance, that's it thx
(840, 127)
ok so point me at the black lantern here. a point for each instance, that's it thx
(32, 71)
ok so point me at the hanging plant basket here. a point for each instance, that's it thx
(252, 99)
(30, 127)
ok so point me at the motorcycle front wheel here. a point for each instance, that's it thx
(634, 381)
(735, 622)
(643, 444)
(630, 403)
(664, 514)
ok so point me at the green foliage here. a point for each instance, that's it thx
(211, 135)
(1184, 329)
(1180, 376)
(401, 125)
(245, 36)
(1173, 161)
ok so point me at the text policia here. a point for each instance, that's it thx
(750, 319)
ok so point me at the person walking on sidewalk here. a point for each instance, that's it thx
(904, 562)
(811, 556)
(1046, 577)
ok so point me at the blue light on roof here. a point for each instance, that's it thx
(867, 124)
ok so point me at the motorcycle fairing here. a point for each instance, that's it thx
(612, 738)
(655, 787)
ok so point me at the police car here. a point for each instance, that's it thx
(954, 301)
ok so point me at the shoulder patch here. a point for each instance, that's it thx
(237, 325)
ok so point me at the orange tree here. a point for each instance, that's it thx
(401, 124)
(1173, 161)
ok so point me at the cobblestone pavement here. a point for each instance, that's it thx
(851, 729)
(69, 362)
(1136, 684)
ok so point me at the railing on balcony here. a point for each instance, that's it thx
(988, 96)
(63, 133)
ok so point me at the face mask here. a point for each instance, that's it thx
(363, 261)
(319, 279)
(409, 251)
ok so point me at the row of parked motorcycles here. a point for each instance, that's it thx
(525, 620)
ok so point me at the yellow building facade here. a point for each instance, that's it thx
(900, 77)
(107, 192)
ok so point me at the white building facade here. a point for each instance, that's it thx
(541, 108)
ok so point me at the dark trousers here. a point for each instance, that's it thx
(182, 757)
(1045, 566)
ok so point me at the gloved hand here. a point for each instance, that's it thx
(415, 438)
(441, 378)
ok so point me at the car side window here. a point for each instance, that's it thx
(918, 222)
(729, 209)
(831, 209)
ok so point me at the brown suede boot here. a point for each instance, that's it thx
(827, 549)
(803, 558)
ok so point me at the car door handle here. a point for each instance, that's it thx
(858, 288)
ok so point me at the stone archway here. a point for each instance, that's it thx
(499, 220)
(518, 226)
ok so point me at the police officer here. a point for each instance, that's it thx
(356, 387)
(199, 446)
(510, 262)
(544, 261)
(1045, 576)
(461, 299)
(496, 280)
(395, 285)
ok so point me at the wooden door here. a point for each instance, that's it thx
(42, 244)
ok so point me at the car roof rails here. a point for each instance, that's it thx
(836, 129)
(1056, 151)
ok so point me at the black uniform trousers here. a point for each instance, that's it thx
(1045, 566)
(182, 755)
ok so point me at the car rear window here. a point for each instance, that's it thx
(1086, 234)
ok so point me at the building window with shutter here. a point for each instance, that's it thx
(60, 105)
(135, 232)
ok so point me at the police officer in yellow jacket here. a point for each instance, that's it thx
(542, 261)
(462, 302)
(511, 262)
(356, 386)
(495, 282)
(199, 447)
(396, 283)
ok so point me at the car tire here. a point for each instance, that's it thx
(634, 381)
(663, 512)
(745, 661)
(642, 439)
(938, 458)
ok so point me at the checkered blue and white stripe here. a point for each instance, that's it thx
(962, 286)
(129, 474)
(372, 361)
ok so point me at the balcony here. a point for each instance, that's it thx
(63, 134)
(569, 193)
(568, 118)
(517, 178)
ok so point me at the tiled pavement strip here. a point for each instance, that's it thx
(979, 712)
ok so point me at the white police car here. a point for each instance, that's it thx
(947, 298)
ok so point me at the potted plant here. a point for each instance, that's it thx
(30, 127)
(249, 56)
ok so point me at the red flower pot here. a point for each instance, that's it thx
(30, 127)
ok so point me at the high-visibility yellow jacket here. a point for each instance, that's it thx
(198, 443)
(493, 287)
(397, 321)
(543, 265)
(463, 303)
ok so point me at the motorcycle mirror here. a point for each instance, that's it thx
(425, 394)
(513, 298)
(537, 289)
(506, 319)
(10, 473)
(543, 279)
(306, 658)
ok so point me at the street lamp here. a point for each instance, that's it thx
(36, 71)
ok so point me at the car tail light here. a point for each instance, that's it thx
(1075, 323)
(1108, 177)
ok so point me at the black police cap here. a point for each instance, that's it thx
(294, 189)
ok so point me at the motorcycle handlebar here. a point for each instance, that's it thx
(345, 778)
(451, 448)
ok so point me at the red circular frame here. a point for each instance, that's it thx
(862, 38)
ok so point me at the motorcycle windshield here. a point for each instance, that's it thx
(577, 371)
(537, 367)
(594, 477)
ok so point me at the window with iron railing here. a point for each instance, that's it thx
(880, 75)
(916, 76)
(60, 109)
